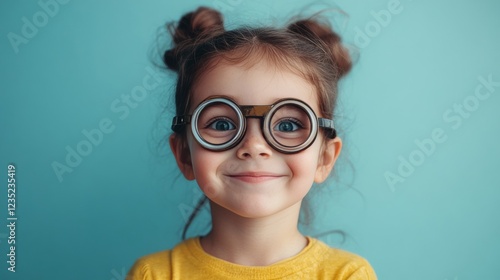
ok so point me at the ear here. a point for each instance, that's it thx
(182, 156)
(329, 153)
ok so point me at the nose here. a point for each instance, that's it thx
(253, 145)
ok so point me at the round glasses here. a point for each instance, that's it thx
(289, 125)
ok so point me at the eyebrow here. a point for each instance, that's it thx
(237, 103)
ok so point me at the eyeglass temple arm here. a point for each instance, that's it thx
(178, 122)
(328, 124)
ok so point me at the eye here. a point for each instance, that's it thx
(221, 124)
(288, 125)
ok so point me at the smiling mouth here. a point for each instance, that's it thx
(255, 177)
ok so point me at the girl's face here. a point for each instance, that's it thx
(252, 179)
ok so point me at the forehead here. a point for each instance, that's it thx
(260, 83)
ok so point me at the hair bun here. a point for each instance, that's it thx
(192, 27)
(314, 30)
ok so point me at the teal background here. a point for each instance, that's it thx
(126, 198)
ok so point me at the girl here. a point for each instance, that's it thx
(254, 128)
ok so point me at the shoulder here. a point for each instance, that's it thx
(152, 266)
(341, 264)
(160, 265)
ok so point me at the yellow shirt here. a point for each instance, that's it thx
(189, 261)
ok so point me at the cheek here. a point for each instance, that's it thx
(303, 165)
(208, 189)
(205, 180)
(206, 165)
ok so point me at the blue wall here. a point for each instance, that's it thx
(420, 120)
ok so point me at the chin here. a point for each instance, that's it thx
(254, 210)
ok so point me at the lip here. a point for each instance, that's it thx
(255, 177)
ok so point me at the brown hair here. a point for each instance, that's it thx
(307, 47)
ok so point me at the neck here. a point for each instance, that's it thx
(254, 241)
